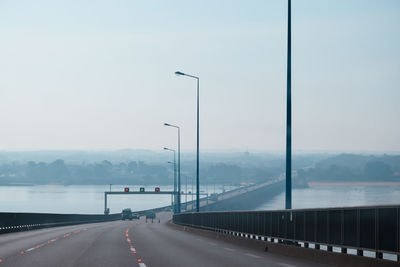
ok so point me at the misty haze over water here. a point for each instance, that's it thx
(90, 199)
(76, 184)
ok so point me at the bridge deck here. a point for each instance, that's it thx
(106, 244)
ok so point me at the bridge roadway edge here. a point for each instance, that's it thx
(317, 256)
(248, 200)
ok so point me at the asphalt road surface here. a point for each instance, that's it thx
(130, 243)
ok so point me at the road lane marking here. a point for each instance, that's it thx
(229, 249)
(43, 244)
(212, 244)
(286, 265)
(252, 255)
(141, 264)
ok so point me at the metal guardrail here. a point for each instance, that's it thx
(369, 228)
(15, 222)
(18, 221)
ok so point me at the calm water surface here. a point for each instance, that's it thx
(88, 199)
(336, 196)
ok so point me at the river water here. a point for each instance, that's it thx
(86, 199)
(336, 196)
(89, 199)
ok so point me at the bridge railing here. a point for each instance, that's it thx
(15, 222)
(371, 228)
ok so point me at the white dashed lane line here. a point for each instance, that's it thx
(212, 244)
(132, 249)
(286, 265)
(229, 249)
(252, 255)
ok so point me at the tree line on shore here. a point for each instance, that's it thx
(130, 172)
(351, 167)
(239, 168)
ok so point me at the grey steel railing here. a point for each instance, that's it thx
(24, 221)
(366, 228)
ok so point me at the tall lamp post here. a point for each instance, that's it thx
(197, 158)
(288, 203)
(186, 191)
(172, 196)
(179, 163)
(166, 148)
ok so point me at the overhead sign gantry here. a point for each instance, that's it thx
(141, 191)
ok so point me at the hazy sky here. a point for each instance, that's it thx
(99, 74)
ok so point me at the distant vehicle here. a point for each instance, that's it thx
(136, 216)
(150, 215)
(126, 214)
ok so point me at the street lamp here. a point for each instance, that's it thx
(288, 202)
(172, 196)
(166, 148)
(179, 163)
(197, 158)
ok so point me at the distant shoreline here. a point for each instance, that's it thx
(333, 183)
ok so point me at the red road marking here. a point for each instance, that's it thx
(133, 250)
(1, 260)
(22, 252)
